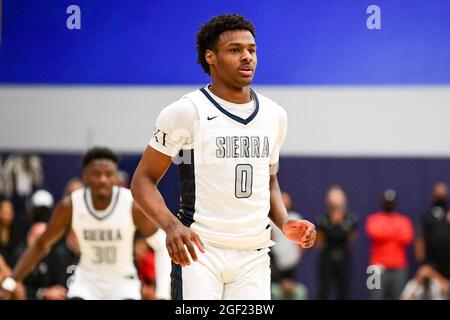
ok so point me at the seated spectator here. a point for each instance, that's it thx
(286, 255)
(428, 284)
(289, 289)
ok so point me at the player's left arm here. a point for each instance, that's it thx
(299, 231)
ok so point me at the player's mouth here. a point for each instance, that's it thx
(102, 190)
(246, 71)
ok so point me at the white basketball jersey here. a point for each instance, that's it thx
(225, 189)
(106, 237)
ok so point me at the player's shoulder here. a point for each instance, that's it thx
(125, 192)
(271, 105)
(183, 108)
(75, 195)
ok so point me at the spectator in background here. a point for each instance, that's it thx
(428, 284)
(72, 185)
(433, 243)
(38, 208)
(41, 205)
(66, 252)
(286, 256)
(49, 279)
(9, 237)
(390, 233)
(145, 262)
(336, 233)
(123, 179)
(40, 284)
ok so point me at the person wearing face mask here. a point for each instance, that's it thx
(390, 233)
(433, 244)
(336, 234)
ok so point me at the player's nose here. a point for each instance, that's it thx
(247, 56)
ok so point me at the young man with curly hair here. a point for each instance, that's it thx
(227, 138)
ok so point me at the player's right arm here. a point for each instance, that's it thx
(150, 170)
(174, 130)
(60, 220)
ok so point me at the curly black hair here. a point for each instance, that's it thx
(96, 153)
(209, 33)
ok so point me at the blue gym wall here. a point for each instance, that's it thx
(152, 42)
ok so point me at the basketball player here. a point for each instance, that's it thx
(228, 137)
(103, 217)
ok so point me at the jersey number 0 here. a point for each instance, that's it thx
(244, 181)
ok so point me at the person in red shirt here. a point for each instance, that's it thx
(390, 234)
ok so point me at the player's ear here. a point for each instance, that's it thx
(210, 56)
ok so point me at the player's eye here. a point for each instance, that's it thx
(235, 50)
(95, 174)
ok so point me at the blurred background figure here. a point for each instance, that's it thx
(433, 243)
(427, 284)
(286, 256)
(72, 185)
(41, 205)
(9, 237)
(145, 262)
(42, 282)
(335, 236)
(123, 179)
(38, 208)
(390, 233)
(66, 252)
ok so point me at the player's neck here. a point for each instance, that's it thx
(101, 203)
(231, 94)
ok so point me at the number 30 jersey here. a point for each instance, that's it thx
(224, 162)
(105, 237)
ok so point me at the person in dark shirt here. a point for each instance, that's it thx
(336, 232)
(9, 237)
(42, 282)
(433, 244)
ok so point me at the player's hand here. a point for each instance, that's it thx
(301, 232)
(178, 238)
(4, 295)
(57, 292)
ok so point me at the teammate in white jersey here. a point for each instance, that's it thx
(228, 139)
(104, 218)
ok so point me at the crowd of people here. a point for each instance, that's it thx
(390, 234)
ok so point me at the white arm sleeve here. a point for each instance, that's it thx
(163, 264)
(282, 132)
(174, 128)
